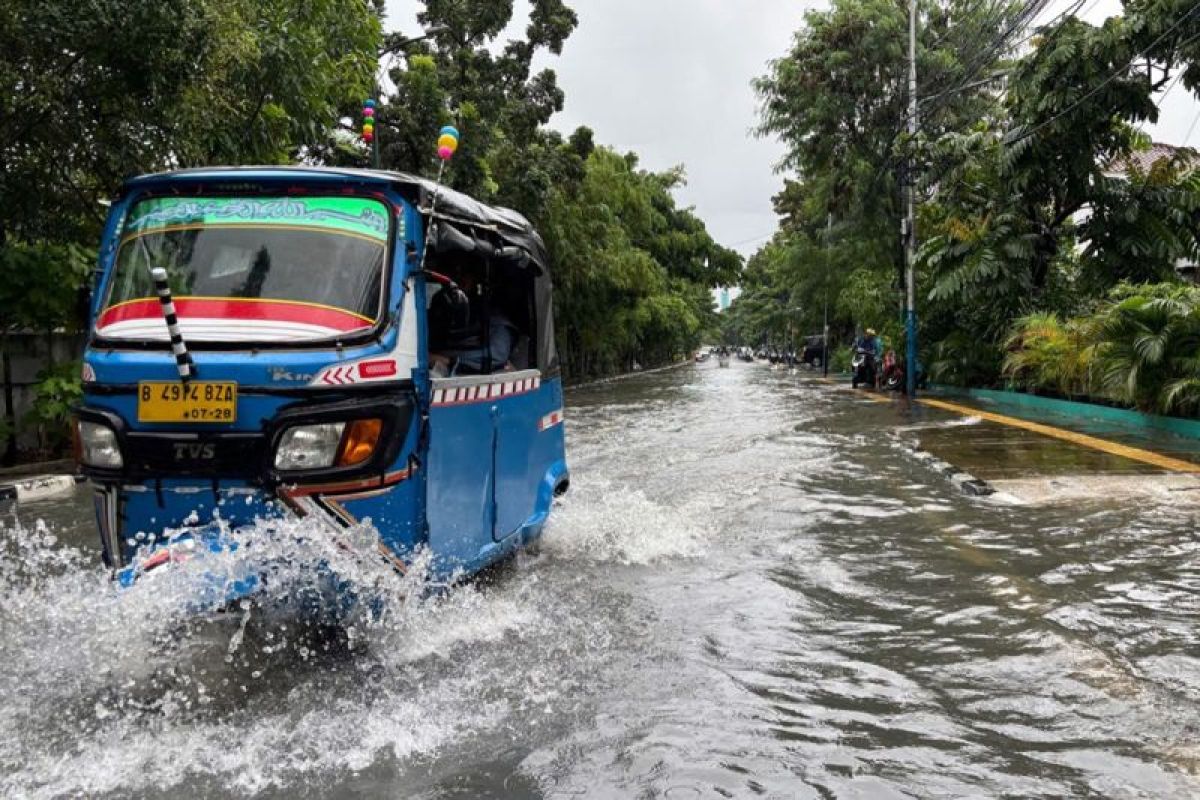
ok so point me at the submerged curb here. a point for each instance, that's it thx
(625, 375)
(38, 487)
(964, 481)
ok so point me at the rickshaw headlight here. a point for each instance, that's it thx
(309, 446)
(98, 446)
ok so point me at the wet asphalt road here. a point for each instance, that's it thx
(751, 591)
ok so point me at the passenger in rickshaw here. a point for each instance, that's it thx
(469, 331)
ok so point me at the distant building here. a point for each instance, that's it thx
(1142, 161)
(725, 296)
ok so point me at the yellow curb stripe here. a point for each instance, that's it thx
(1103, 445)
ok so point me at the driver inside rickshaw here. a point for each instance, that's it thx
(468, 334)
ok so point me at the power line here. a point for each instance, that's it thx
(1068, 12)
(1191, 130)
(1112, 77)
(1141, 125)
(752, 239)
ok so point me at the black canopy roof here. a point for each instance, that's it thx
(510, 226)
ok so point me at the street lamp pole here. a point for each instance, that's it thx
(910, 214)
(825, 340)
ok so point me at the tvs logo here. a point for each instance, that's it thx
(188, 451)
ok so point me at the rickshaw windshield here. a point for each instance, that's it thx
(250, 269)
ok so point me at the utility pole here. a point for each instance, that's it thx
(825, 326)
(910, 215)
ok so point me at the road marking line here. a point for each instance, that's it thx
(1103, 445)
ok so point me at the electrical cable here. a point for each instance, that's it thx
(1112, 77)
(1191, 130)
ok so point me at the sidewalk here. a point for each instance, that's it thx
(1040, 458)
(1025, 455)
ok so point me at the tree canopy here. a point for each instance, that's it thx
(1031, 200)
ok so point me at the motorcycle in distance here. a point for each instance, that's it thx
(892, 376)
(862, 367)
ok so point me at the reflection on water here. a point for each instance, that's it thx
(748, 592)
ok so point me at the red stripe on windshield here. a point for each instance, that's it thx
(238, 309)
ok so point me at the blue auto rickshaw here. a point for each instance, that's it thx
(278, 343)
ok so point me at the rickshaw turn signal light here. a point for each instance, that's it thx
(359, 441)
(98, 446)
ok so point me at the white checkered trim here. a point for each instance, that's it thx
(550, 420)
(461, 395)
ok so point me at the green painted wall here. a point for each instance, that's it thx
(1189, 428)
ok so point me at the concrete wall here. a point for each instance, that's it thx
(26, 355)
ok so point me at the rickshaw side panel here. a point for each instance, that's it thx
(530, 444)
(459, 483)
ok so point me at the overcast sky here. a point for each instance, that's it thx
(670, 79)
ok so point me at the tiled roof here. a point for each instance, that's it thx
(1145, 159)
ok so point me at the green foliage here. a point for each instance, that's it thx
(632, 270)
(457, 75)
(1149, 347)
(143, 86)
(1025, 221)
(1046, 353)
(1140, 347)
(39, 285)
(89, 96)
(840, 358)
(960, 359)
(838, 100)
(56, 394)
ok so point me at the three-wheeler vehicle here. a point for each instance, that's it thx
(335, 345)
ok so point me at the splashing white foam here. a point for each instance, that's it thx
(125, 691)
(601, 522)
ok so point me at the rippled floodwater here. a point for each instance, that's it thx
(749, 591)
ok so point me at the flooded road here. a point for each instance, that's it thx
(750, 591)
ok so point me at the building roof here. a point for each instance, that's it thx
(1144, 160)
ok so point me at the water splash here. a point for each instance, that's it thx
(603, 522)
(119, 691)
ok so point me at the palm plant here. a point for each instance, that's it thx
(1149, 350)
(1043, 352)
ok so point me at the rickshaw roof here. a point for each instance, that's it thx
(452, 205)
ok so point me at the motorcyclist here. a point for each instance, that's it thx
(868, 344)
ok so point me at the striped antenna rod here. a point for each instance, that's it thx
(183, 359)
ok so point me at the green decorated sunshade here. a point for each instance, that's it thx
(347, 215)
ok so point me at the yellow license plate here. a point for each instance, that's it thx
(195, 401)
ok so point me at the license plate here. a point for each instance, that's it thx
(196, 401)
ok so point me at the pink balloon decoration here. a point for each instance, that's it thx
(444, 153)
(368, 112)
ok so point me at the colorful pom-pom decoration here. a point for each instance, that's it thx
(447, 142)
(368, 123)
